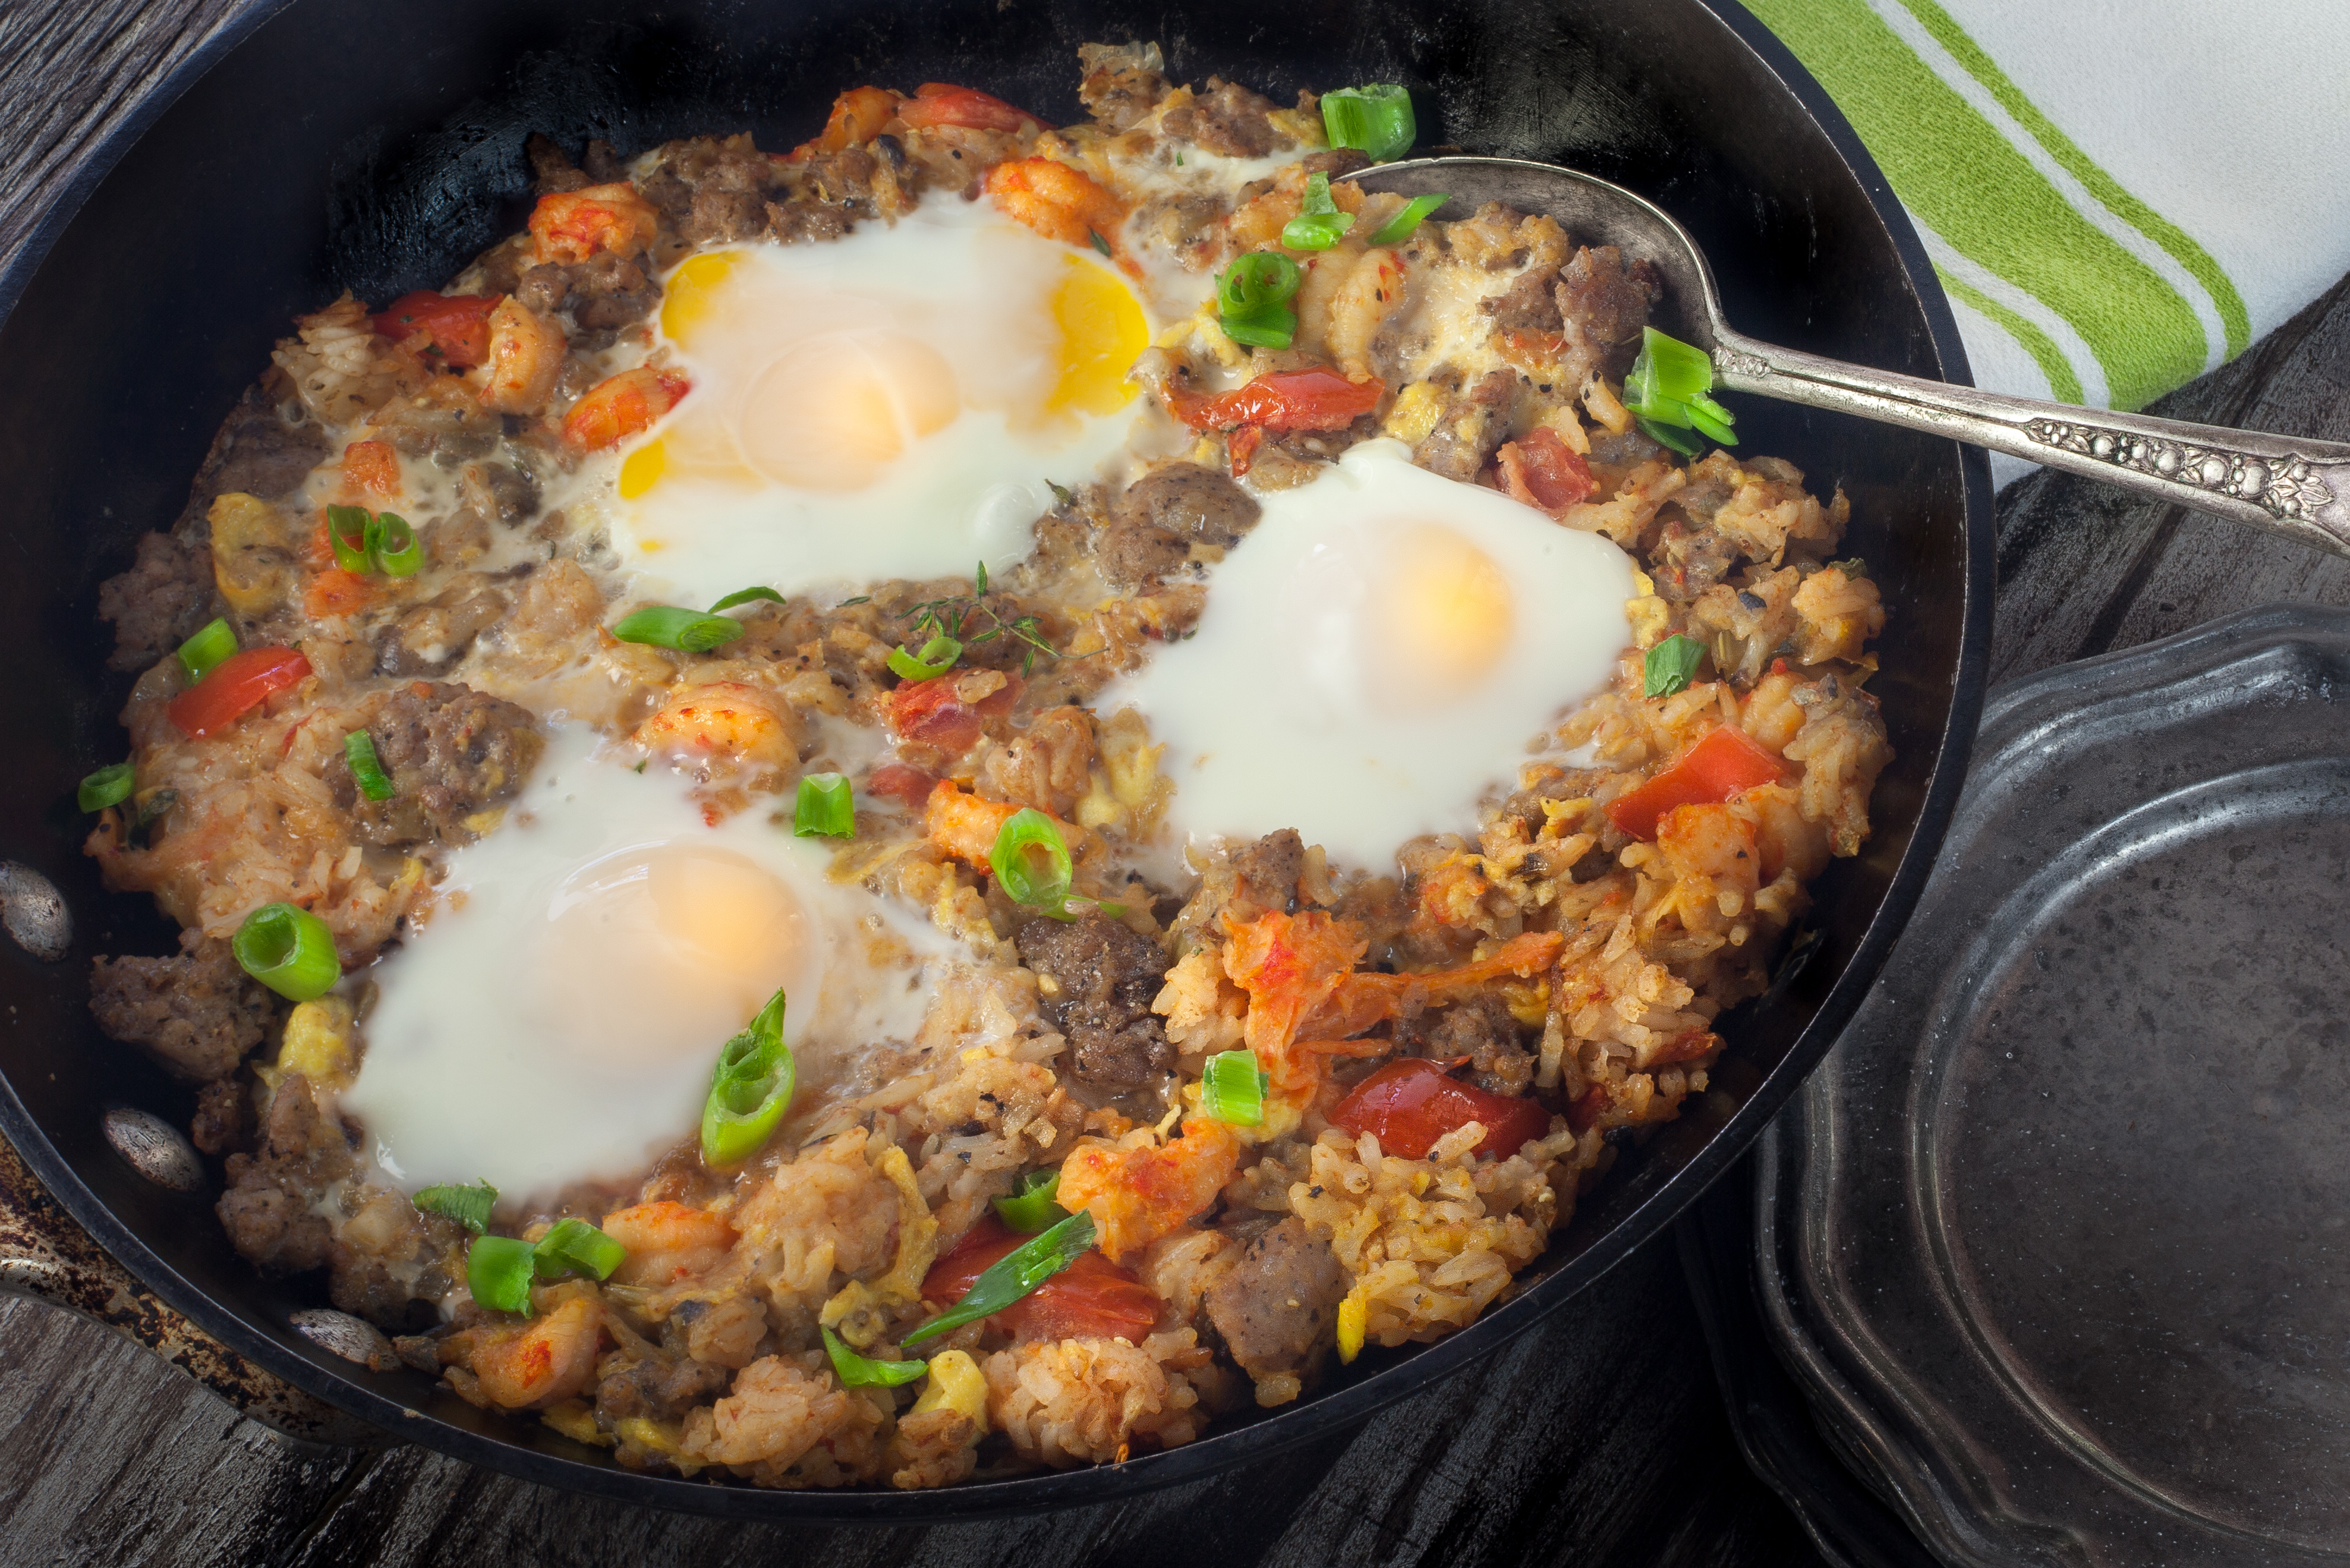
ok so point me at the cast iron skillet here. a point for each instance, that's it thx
(335, 142)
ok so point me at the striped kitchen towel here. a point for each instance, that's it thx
(2119, 195)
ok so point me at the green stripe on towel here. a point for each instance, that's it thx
(1954, 170)
(2069, 157)
(2063, 384)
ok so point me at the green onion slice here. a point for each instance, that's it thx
(347, 531)
(108, 786)
(1015, 1275)
(1397, 229)
(688, 631)
(289, 950)
(1319, 224)
(359, 754)
(744, 596)
(938, 657)
(750, 1090)
(206, 649)
(498, 1270)
(1666, 389)
(398, 551)
(1374, 119)
(1031, 1207)
(826, 808)
(469, 1205)
(857, 1371)
(1232, 1088)
(1668, 666)
(1100, 243)
(1027, 835)
(1253, 300)
(576, 1247)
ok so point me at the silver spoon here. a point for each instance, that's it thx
(2286, 484)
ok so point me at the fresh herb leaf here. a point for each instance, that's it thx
(857, 1371)
(1399, 228)
(469, 1205)
(1670, 665)
(1100, 243)
(744, 596)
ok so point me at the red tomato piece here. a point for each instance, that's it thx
(1410, 1104)
(1724, 765)
(929, 711)
(1093, 1298)
(937, 103)
(336, 592)
(1243, 447)
(896, 781)
(1544, 472)
(1316, 399)
(621, 406)
(236, 685)
(372, 465)
(459, 323)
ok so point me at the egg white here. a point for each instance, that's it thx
(557, 1017)
(1310, 697)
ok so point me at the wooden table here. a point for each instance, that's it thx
(1596, 1438)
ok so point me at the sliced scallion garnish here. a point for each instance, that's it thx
(1100, 243)
(1014, 1275)
(744, 596)
(498, 1270)
(857, 1371)
(1666, 389)
(576, 1247)
(212, 644)
(1666, 436)
(688, 631)
(1397, 229)
(288, 950)
(938, 655)
(1253, 298)
(1668, 666)
(1031, 1207)
(1374, 119)
(750, 1090)
(468, 1206)
(825, 809)
(109, 785)
(359, 755)
(1232, 1088)
(1318, 224)
(347, 531)
(398, 551)
(1027, 837)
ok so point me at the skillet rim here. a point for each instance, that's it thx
(313, 1371)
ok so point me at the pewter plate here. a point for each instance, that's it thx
(2054, 1239)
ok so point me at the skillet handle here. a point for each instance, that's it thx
(46, 1256)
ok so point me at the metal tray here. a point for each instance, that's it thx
(2054, 1239)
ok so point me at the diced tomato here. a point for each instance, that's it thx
(936, 103)
(236, 685)
(1727, 762)
(896, 781)
(459, 323)
(1243, 447)
(621, 406)
(372, 465)
(1543, 472)
(336, 592)
(1093, 1298)
(1585, 1114)
(1316, 399)
(929, 711)
(1410, 1104)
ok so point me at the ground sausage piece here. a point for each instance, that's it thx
(1529, 305)
(434, 636)
(1277, 1309)
(1603, 304)
(222, 1109)
(197, 1014)
(450, 751)
(1479, 1028)
(266, 1209)
(1337, 162)
(1471, 429)
(1270, 868)
(1098, 979)
(800, 222)
(551, 168)
(604, 292)
(659, 1388)
(1121, 86)
(1191, 502)
(1134, 555)
(1227, 118)
(158, 603)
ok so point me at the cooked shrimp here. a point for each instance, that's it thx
(1138, 1195)
(526, 351)
(668, 1242)
(1056, 200)
(572, 225)
(726, 721)
(613, 410)
(553, 1359)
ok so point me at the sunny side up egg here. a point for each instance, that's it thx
(1374, 656)
(559, 1016)
(889, 404)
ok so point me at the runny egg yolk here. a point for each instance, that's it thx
(1102, 334)
(831, 413)
(1440, 616)
(667, 947)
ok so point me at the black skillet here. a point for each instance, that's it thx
(334, 143)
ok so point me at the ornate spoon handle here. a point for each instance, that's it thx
(2289, 485)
